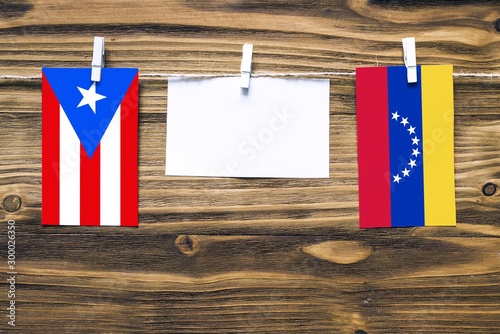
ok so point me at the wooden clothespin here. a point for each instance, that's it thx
(410, 58)
(97, 59)
(246, 65)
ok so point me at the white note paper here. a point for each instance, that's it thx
(276, 128)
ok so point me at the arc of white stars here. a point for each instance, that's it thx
(415, 152)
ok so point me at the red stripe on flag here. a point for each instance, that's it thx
(90, 194)
(373, 147)
(50, 155)
(129, 156)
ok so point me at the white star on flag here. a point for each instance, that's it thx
(395, 115)
(406, 172)
(90, 97)
(415, 152)
(415, 140)
(396, 178)
(404, 121)
(411, 130)
(412, 163)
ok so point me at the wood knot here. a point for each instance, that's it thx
(187, 244)
(489, 189)
(360, 331)
(342, 252)
(12, 203)
(496, 24)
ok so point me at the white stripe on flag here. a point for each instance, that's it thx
(110, 173)
(69, 179)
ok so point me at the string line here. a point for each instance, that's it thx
(254, 75)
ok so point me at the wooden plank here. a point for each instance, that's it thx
(176, 36)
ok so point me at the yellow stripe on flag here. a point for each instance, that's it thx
(439, 170)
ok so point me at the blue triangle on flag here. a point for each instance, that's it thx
(70, 85)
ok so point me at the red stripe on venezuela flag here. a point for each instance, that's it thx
(373, 143)
(50, 155)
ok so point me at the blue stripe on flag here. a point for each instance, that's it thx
(406, 149)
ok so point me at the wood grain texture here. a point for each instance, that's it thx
(252, 255)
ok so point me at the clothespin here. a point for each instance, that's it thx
(97, 59)
(246, 65)
(410, 57)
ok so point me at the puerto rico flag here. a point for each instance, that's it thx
(89, 147)
(405, 147)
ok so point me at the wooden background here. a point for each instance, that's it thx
(252, 255)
